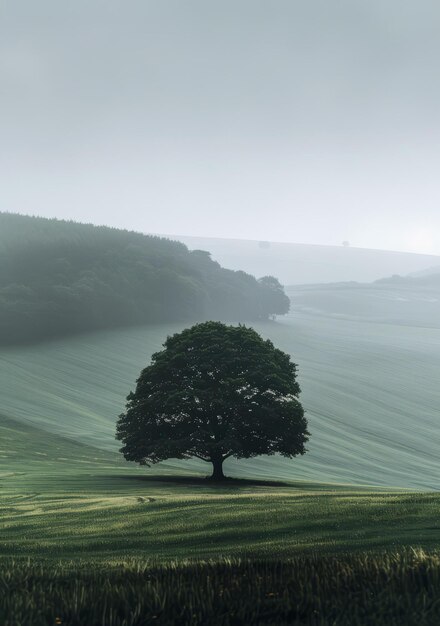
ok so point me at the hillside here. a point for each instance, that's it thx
(369, 387)
(368, 361)
(58, 278)
(295, 264)
(396, 300)
(421, 281)
(88, 538)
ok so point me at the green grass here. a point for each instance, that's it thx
(341, 518)
(370, 390)
(395, 590)
(117, 517)
(118, 550)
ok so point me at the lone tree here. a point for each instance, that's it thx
(215, 391)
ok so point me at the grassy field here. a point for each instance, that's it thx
(104, 546)
(334, 537)
(370, 389)
(346, 591)
(114, 517)
(119, 550)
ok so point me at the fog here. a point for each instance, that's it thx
(295, 264)
(219, 311)
(309, 122)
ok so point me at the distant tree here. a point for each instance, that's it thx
(273, 299)
(214, 392)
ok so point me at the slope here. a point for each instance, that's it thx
(294, 263)
(59, 278)
(370, 388)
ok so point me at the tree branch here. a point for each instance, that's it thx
(199, 457)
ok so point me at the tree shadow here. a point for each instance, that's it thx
(202, 481)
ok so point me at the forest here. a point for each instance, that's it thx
(59, 278)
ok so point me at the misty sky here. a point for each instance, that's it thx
(310, 121)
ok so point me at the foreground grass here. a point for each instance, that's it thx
(124, 550)
(350, 590)
(123, 517)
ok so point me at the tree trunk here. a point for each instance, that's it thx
(217, 472)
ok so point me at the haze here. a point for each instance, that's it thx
(309, 122)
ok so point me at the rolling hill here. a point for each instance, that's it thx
(368, 355)
(59, 278)
(87, 537)
(294, 263)
(368, 371)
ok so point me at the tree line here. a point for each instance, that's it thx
(59, 278)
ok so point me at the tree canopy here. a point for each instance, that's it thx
(59, 277)
(213, 392)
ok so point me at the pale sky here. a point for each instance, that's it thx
(309, 122)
